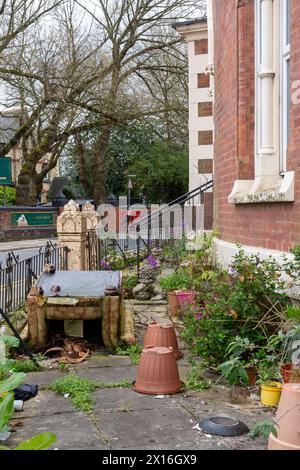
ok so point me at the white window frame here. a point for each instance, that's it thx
(272, 181)
(285, 55)
(258, 46)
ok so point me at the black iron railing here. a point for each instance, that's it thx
(149, 233)
(17, 277)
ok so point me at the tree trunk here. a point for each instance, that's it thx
(24, 195)
(98, 167)
(83, 173)
(36, 186)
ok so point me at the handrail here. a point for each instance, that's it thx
(180, 200)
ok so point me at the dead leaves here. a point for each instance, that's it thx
(233, 314)
(71, 352)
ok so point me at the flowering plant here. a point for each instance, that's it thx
(105, 265)
(152, 261)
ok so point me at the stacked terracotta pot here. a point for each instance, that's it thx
(288, 420)
(158, 371)
(160, 334)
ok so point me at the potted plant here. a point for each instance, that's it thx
(285, 346)
(269, 380)
(172, 284)
(290, 371)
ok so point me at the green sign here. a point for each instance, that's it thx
(29, 219)
(5, 171)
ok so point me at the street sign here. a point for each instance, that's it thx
(29, 219)
(5, 171)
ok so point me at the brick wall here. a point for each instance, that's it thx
(10, 233)
(269, 225)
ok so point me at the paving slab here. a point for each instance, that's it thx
(125, 400)
(44, 378)
(107, 360)
(73, 430)
(108, 374)
(169, 427)
(46, 403)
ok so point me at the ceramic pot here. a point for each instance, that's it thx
(270, 393)
(111, 290)
(252, 375)
(287, 418)
(173, 304)
(185, 297)
(160, 334)
(157, 372)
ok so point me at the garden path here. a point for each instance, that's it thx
(123, 419)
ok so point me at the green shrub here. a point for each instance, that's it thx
(129, 283)
(176, 281)
(174, 252)
(293, 312)
(10, 196)
(234, 303)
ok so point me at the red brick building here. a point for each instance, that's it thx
(256, 55)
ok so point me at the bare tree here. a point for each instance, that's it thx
(139, 43)
(123, 62)
(16, 16)
(55, 69)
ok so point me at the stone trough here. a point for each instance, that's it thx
(75, 297)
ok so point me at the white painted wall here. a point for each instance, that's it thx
(197, 64)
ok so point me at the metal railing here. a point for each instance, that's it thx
(17, 277)
(181, 200)
(146, 236)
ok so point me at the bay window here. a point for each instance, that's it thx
(272, 182)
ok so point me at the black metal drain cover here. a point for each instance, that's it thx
(223, 426)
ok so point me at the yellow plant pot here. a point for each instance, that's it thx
(270, 393)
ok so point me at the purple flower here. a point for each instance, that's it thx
(232, 271)
(152, 261)
(104, 265)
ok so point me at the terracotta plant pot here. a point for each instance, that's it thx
(290, 373)
(160, 334)
(270, 393)
(185, 297)
(157, 372)
(173, 304)
(252, 375)
(286, 372)
(287, 418)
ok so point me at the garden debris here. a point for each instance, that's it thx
(72, 352)
(18, 405)
(25, 392)
(18, 424)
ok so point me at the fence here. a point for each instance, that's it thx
(99, 251)
(17, 277)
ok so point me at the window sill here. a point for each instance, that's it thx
(264, 189)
